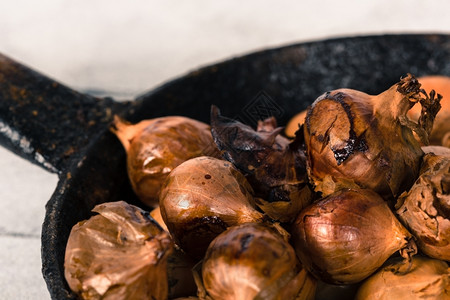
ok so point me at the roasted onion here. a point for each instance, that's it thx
(427, 279)
(121, 253)
(201, 198)
(346, 236)
(252, 261)
(425, 209)
(154, 147)
(274, 166)
(355, 139)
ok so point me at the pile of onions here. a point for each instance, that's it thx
(350, 202)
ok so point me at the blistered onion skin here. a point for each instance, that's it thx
(425, 208)
(121, 253)
(427, 279)
(251, 261)
(154, 147)
(201, 198)
(356, 139)
(346, 236)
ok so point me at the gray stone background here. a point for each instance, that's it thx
(124, 48)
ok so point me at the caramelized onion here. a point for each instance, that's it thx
(355, 139)
(201, 198)
(426, 279)
(252, 261)
(346, 236)
(154, 147)
(425, 209)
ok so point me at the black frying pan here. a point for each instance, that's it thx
(67, 132)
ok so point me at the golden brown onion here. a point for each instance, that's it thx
(353, 138)
(154, 147)
(252, 261)
(274, 166)
(425, 209)
(427, 279)
(121, 253)
(346, 236)
(201, 198)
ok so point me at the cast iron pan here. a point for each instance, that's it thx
(65, 131)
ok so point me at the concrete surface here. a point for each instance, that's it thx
(124, 48)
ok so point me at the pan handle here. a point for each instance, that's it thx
(46, 122)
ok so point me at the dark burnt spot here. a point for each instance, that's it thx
(278, 194)
(354, 142)
(245, 241)
(207, 176)
(195, 235)
(445, 183)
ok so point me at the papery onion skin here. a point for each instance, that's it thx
(201, 198)
(437, 150)
(425, 208)
(356, 139)
(252, 261)
(346, 236)
(427, 279)
(156, 146)
(441, 85)
(121, 253)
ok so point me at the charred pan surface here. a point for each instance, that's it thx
(45, 121)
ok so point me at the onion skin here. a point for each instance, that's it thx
(201, 198)
(121, 253)
(355, 139)
(427, 279)
(437, 150)
(441, 85)
(425, 208)
(252, 261)
(155, 147)
(346, 236)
